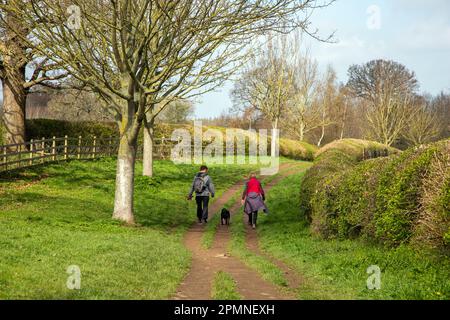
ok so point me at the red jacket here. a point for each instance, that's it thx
(253, 185)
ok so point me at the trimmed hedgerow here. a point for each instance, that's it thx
(39, 128)
(297, 150)
(359, 149)
(388, 199)
(332, 159)
(398, 195)
(433, 226)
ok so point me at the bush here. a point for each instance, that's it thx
(39, 128)
(332, 159)
(297, 150)
(398, 195)
(389, 199)
(359, 149)
(433, 226)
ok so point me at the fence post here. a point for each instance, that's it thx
(65, 148)
(5, 162)
(79, 148)
(109, 147)
(42, 150)
(31, 151)
(94, 149)
(19, 164)
(54, 148)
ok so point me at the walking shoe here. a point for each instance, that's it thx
(254, 226)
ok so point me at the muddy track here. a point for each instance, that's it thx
(206, 262)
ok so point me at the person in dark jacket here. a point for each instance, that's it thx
(253, 199)
(203, 187)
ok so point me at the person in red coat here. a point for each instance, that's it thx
(253, 199)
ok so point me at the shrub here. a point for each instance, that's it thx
(39, 128)
(333, 158)
(359, 149)
(388, 199)
(355, 204)
(329, 163)
(399, 193)
(297, 150)
(433, 226)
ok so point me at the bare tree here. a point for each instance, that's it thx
(16, 57)
(78, 105)
(139, 54)
(425, 125)
(329, 97)
(303, 114)
(387, 88)
(177, 112)
(266, 86)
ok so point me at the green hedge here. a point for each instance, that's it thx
(330, 160)
(387, 199)
(39, 128)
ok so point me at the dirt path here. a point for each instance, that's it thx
(293, 279)
(205, 263)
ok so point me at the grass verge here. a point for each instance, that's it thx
(224, 287)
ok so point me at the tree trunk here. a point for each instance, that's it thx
(321, 136)
(302, 131)
(344, 119)
(274, 139)
(123, 203)
(148, 148)
(14, 100)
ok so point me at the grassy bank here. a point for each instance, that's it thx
(56, 216)
(336, 269)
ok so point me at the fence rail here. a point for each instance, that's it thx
(46, 150)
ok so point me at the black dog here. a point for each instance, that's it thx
(225, 216)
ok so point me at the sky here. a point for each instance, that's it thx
(415, 33)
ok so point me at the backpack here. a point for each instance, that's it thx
(199, 184)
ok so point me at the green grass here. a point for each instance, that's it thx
(224, 287)
(262, 265)
(337, 269)
(60, 215)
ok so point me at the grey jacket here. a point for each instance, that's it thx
(209, 190)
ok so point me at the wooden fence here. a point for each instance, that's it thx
(34, 152)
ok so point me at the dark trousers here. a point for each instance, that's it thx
(202, 207)
(252, 217)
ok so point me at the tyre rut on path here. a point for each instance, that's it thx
(207, 262)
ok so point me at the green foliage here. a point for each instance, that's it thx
(359, 149)
(297, 150)
(336, 269)
(325, 165)
(38, 128)
(398, 195)
(380, 199)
